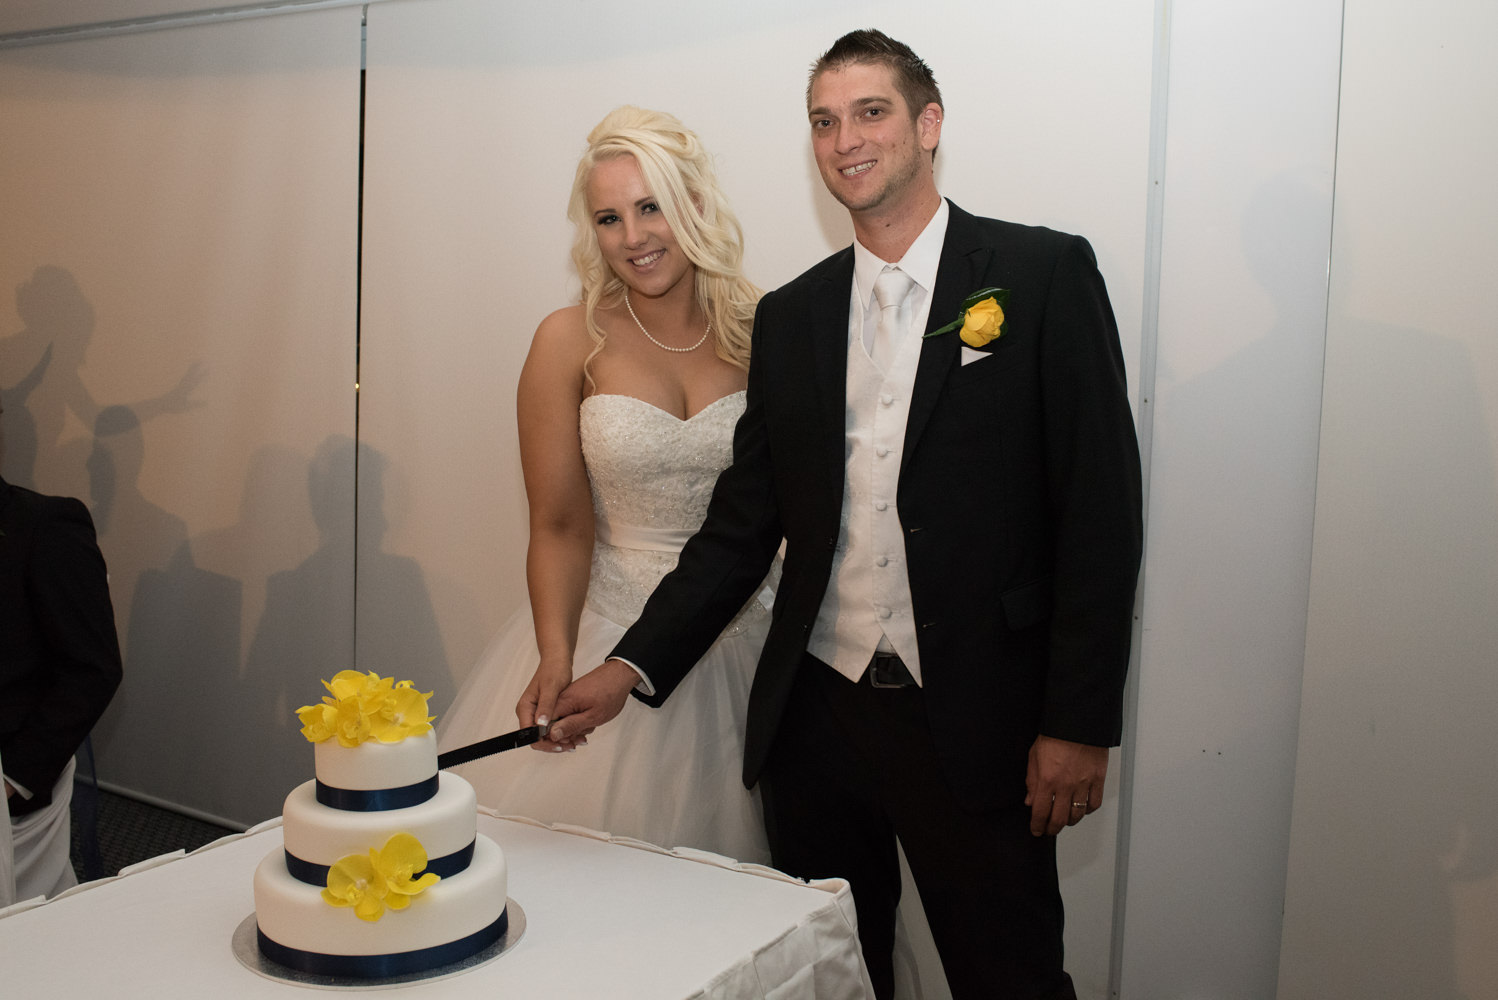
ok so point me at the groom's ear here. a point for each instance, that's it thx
(928, 125)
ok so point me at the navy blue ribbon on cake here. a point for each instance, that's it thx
(315, 874)
(383, 966)
(376, 799)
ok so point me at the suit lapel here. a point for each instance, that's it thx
(964, 262)
(827, 321)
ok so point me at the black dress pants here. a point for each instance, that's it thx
(853, 768)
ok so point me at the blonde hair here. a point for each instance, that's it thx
(679, 174)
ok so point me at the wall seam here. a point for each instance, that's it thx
(1149, 333)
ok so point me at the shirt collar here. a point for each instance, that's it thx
(920, 261)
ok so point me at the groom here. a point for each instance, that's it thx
(961, 514)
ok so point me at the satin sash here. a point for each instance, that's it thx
(383, 966)
(377, 799)
(315, 874)
(638, 536)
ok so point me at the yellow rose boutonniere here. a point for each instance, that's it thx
(981, 318)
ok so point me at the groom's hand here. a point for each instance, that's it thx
(591, 700)
(1064, 782)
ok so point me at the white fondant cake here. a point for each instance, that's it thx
(362, 797)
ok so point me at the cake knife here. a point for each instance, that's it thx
(494, 744)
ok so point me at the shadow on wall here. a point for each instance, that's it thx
(397, 633)
(307, 632)
(58, 326)
(179, 629)
(18, 430)
(145, 546)
(1246, 425)
(1395, 709)
(1394, 893)
(202, 687)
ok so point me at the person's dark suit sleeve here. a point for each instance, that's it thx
(68, 590)
(1093, 489)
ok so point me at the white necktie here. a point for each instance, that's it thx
(891, 289)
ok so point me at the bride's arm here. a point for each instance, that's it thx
(561, 506)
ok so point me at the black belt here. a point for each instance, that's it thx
(887, 670)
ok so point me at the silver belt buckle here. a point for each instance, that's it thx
(879, 660)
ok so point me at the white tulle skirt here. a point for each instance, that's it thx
(668, 775)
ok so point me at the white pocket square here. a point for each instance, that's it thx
(969, 355)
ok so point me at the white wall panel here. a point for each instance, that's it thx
(1246, 226)
(178, 350)
(1393, 878)
(478, 112)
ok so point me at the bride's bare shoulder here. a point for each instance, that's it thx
(563, 334)
(567, 322)
(558, 353)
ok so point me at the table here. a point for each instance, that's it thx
(605, 918)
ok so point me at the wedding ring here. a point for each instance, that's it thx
(1079, 805)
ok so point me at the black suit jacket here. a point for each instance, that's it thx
(59, 657)
(1019, 499)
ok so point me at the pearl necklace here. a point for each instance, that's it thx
(657, 343)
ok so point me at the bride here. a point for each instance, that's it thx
(627, 404)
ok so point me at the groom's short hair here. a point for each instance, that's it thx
(913, 78)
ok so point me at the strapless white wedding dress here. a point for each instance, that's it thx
(668, 775)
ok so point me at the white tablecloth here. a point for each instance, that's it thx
(604, 919)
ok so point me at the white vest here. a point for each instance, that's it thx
(869, 594)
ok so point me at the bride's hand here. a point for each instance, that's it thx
(537, 705)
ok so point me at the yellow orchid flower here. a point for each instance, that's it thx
(402, 713)
(382, 878)
(360, 707)
(319, 722)
(350, 725)
(376, 689)
(347, 684)
(398, 862)
(353, 881)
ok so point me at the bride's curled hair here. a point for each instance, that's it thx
(679, 174)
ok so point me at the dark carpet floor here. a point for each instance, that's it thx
(128, 831)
